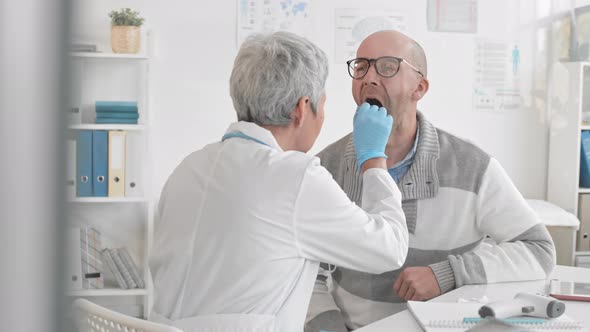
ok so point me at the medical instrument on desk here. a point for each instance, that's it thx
(524, 304)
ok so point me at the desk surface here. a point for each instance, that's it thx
(580, 311)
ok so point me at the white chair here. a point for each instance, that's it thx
(91, 317)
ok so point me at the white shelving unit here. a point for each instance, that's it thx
(99, 55)
(89, 126)
(123, 221)
(108, 200)
(107, 292)
(563, 177)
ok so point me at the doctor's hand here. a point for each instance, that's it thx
(417, 283)
(372, 126)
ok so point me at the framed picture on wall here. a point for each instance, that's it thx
(581, 38)
(561, 36)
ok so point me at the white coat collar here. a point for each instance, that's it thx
(255, 131)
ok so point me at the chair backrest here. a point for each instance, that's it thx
(91, 317)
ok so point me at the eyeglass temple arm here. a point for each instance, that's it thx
(416, 69)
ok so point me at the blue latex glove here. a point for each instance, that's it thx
(372, 126)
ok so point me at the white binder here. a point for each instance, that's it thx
(74, 260)
(70, 169)
(134, 166)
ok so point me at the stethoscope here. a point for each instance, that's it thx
(237, 134)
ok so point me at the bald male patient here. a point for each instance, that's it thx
(468, 223)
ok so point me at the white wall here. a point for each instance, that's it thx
(194, 47)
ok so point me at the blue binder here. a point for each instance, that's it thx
(100, 139)
(585, 160)
(84, 164)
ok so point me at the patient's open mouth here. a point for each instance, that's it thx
(373, 101)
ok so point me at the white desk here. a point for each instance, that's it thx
(580, 311)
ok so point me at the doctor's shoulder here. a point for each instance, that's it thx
(295, 165)
(303, 165)
(199, 158)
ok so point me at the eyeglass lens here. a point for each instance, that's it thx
(386, 66)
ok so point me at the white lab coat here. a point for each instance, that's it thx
(243, 226)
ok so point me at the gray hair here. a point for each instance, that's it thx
(272, 72)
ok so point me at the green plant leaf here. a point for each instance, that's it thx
(125, 16)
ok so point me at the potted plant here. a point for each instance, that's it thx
(125, 30)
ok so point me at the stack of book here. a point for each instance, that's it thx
(123, 268)
(118, 112)
(81, 47)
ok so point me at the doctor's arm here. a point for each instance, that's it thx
(330, 228)
(371, 131)
(334, 230)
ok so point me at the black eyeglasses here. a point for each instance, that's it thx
(386, 66)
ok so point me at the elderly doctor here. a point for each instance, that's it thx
(245, 221)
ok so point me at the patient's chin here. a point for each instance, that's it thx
(373, 101)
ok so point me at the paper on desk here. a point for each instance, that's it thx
(483, 299)
(448, 317)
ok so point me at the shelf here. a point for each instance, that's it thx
(113, 76)
(583, 253)
(584, 190)
(108, 292)
(107, 199)
(585, 127)
(100, 55)
(91, 126)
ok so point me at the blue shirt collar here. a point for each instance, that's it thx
(410, 156)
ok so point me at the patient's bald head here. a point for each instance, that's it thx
(399, 93)
(397, 44)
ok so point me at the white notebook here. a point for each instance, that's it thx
(450, 317)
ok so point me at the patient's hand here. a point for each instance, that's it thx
(417, 284)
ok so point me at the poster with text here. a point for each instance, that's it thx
(452, 16)
(256, 16)
(353, 25)
(497, 72)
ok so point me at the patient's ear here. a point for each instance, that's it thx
(300, 112)
(421, 89)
